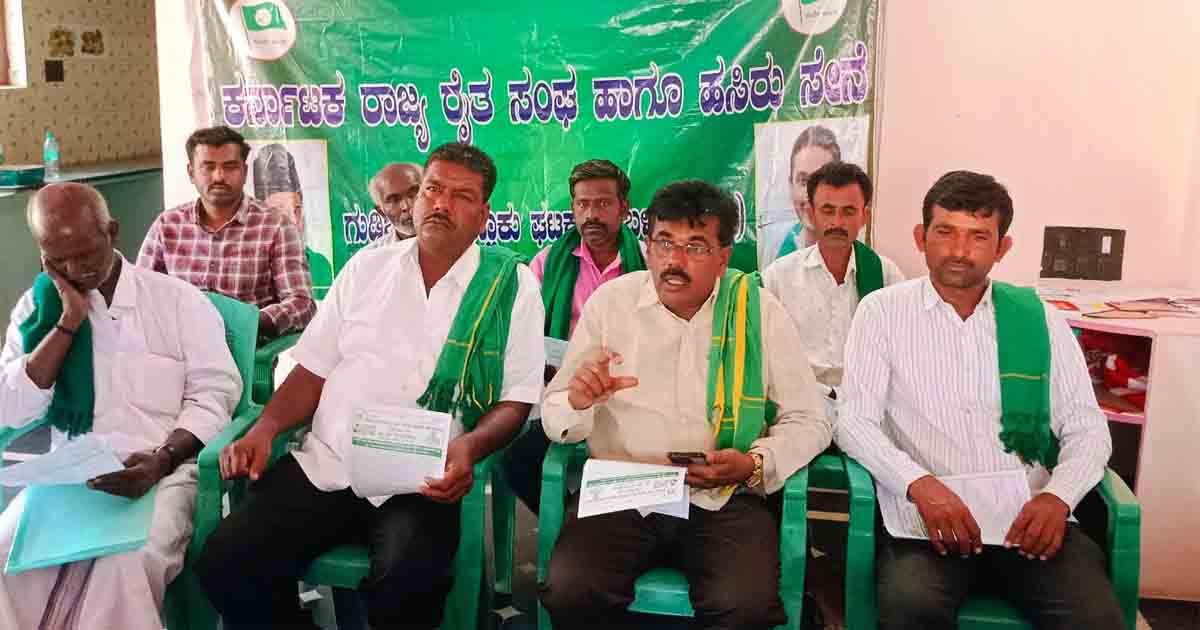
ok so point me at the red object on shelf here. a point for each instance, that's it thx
(1124, 380)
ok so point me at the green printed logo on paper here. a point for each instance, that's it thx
(262, 16)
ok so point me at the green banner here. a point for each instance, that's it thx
(712, 90)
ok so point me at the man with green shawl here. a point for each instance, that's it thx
(675, 359)
(954, 374)
(598, 249)
(434, 323)
(822, 284)
(101, 349)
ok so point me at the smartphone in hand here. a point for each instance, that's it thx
(687, 458)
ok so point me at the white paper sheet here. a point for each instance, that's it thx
(995, 500)
(610, 486)
(75, 462)
(678, 509)
(393, 451)
(556, 349)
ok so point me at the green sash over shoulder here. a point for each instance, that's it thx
(1023, 347)
(868, 274)
(737, 400)
(562, 270)
(72, 407)
(470, 371)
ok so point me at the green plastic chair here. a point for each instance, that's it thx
(265, 360)
(185, 603)
(664, 591)
(1122, 534)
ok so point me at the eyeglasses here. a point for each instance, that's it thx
(599, 205)
(665, 247)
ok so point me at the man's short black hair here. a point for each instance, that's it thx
(695, 200)
(815, 136)
(472, 158)
(839, 174)
(600, 169)
(975, 193)
(216, 137)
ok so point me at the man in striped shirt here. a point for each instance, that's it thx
(231, 244)
(921, 400)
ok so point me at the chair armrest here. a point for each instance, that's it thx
(1123, 537)
(1123, 507)
(552, 503)
(8, 435)
(210, 487)
(860, 547)
(793, 546)
(267, 352)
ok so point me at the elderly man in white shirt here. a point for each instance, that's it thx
(147, 352)
(822, 284)
(635, 384)
(938, 381)
(380, 338)
(394, 189)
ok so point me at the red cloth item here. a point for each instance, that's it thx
(1124, 380)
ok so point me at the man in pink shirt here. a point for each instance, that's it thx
(599, 248)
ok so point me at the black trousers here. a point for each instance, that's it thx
(251, 563)
(920, 589)
(523, 465)
(730, 557)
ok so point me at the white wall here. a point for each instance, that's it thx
(179, 69)
(1088, 111)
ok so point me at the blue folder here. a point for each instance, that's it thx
(65, 523)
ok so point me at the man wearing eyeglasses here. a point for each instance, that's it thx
(598, 249)
(394, 189)
(645, 375)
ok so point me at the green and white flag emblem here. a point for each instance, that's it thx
(262, 16)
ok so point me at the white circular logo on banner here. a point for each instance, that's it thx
(267, 28)
(812, 17)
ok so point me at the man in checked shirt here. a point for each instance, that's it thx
(229, 243)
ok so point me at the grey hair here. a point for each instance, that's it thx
(377, 179)
(83, 196)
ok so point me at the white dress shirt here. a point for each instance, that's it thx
(922, 396)
(821, 308)
(376, 340)
(160, 363)
(391, 237)
(668, 409)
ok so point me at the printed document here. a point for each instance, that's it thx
(393, 451)
(556, 349)
(995, 500)
(611, 486)
(75, 462)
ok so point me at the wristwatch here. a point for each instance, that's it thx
(756, 478)
(170, 453)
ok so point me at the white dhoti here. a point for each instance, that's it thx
(119, 591)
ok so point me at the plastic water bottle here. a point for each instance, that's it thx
(50, 155)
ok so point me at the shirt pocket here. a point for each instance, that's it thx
(152, 382)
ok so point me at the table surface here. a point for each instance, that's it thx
(99, 171)
(1091, 296)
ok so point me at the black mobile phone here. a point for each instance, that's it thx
(686, 458)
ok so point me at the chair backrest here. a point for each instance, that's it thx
(241, 335)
